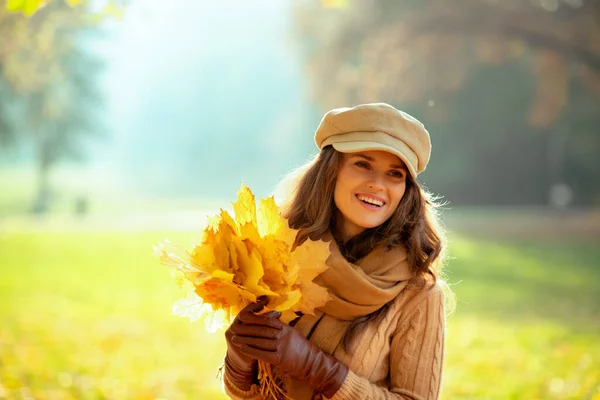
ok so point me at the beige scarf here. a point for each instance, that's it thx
(356, 290)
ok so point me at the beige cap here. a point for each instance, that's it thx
(376, 126)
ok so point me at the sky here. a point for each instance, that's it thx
(200, 96)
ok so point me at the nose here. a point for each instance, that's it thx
(376, 183)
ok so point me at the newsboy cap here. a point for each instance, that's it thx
(376, 126)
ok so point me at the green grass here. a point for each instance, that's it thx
(102, 191)
(87, 316)
(527, 320)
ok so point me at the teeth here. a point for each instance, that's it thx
(370, 200)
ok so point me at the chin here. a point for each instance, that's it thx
(369, 224)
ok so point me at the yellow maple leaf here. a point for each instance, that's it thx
(313, 296)
(245, 207)
(309, 260)
(243, 258)
(220, 293)
(245, 214)
(204, 255)
(275, 258)
(218, 236)
(292, 298)
(250, 265)
(269, 220)
(248, 256)
(271, 223)
(181, 262)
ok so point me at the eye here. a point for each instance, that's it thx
(362, 164)
(396, 173)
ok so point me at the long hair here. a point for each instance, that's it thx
(311, 209)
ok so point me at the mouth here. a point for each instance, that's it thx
(369, 201)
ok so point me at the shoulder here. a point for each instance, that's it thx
(420, 309)
(420, 294)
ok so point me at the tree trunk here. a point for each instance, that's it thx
(43, 195)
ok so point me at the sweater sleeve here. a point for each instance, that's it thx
(416, 358)
(235, 393)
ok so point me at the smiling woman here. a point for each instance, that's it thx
(369, 188)
(382, 333)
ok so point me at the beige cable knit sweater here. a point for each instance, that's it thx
(400, 358)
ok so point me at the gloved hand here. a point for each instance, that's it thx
(241, 369)
(266, 338)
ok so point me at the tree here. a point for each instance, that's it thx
(50, 77)
(535, 61)
(369, 47)
(30, 7)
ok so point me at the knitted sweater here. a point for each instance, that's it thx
(400, 358)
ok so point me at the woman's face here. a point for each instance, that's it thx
(368, 189)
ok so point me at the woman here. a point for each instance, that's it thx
(382, 334)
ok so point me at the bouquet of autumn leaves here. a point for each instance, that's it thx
(241, 259)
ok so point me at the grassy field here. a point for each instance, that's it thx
(87, 316)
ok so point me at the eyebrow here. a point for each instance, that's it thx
(366, 157)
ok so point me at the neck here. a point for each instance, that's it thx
(345, 230)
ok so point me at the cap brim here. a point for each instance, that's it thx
(355, 147)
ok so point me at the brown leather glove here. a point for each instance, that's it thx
(266, 338)
(242, 369)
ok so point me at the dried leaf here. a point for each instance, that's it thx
(310, 257)
(246, 257)
(287, 316)
(292, 298)
(313, 296)
(245, 207)
(204, 256)
(269, 220)
(245, 214)
(223, 294)
(192, 307)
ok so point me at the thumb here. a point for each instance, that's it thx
(254, 307)
(273, 314)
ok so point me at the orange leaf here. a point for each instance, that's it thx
(292, 298)
(246, 257)
(313, 296)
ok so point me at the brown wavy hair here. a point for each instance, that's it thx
(311, 209)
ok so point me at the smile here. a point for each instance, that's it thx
(370, 200)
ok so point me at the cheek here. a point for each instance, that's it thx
(344, 183)
(397, 193)
(339, 195)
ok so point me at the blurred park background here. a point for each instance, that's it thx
(124, 123)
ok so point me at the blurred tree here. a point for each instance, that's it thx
(369, 48)
(520, 65)
(30, 7)
(27, 7)
(6, 127)
(49, 76)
